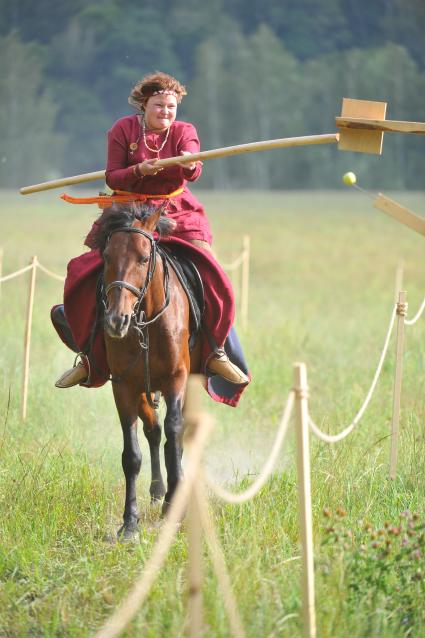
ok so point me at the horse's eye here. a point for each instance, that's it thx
(143, 260)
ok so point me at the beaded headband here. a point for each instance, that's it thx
(164, 92)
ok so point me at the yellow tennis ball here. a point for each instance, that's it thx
(349, 178)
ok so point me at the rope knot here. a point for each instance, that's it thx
(301, 393)
(402, 308)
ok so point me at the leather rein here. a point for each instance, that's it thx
(138, 320)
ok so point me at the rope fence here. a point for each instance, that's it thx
(32, 267)
(191, 494)
(411, 322)
(268, 467)
(334, 438)
(241, 266)
(16, 273)
(401, 309)
(234, 264)
(34, 263)
(219, 564)
(50, 273)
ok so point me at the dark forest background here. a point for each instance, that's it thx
(256, 69)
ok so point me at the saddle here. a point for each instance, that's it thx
(191, 281)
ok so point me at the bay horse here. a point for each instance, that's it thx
(146, 327)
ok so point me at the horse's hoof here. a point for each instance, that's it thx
(110, 537)
(157, 493)
(165, 508)
(128, 533)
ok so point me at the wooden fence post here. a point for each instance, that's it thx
(245, 280)
(193, 418)
(304, 493)
(401, 313)
(27, 340)
(233, 274)
(194, 533)
(398, 282)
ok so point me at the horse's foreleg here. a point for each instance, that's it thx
(131, 459)
(152, 431)
(173, 426)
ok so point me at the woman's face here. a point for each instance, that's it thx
(160, 111)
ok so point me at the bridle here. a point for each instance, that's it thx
(138, 313)
(138, 320)
(139, 292)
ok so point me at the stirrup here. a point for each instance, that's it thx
(219, 363)
(74, 375)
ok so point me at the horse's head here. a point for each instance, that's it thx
(129, 253)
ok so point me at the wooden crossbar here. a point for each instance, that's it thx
(387, 126)
(400, 213)
(365, 140)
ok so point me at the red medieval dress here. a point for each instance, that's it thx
(126, 147)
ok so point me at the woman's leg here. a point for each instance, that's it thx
(219, 363)
(200, 243)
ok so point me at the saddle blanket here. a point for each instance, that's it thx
(80, 307)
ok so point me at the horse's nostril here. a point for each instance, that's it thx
(117, 323)
(122, 322)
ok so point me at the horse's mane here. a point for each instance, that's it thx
(123, 215)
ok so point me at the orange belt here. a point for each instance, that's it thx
(120, 196)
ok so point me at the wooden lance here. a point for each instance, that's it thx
(361, 128)
(252, 147)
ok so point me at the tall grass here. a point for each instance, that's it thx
(322, 288)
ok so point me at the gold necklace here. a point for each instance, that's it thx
(154, 150)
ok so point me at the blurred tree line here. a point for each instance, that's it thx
(259, 70)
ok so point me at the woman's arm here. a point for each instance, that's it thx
(119, 175)
(189, 143)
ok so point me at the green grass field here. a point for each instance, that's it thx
(322, 290)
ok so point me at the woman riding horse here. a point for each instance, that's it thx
(135, 142)
(124, 302)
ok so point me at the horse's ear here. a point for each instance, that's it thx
(153, 219)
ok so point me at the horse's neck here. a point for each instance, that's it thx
(155, 295)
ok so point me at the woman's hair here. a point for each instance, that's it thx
(153, 84)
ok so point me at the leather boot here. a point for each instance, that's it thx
(220, 364)
(71, 377)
